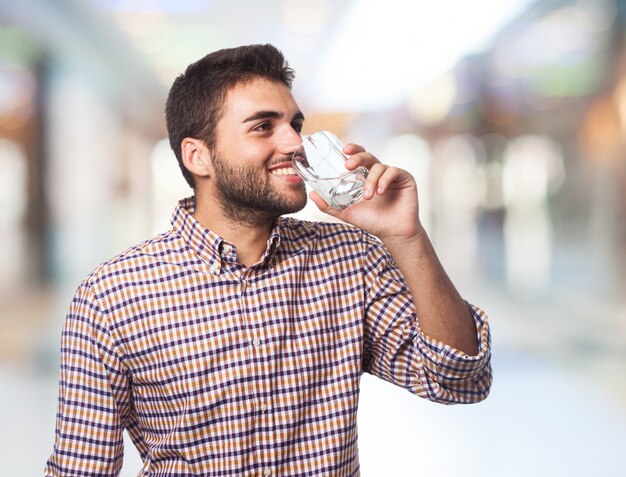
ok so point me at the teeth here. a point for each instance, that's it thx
(286, 171)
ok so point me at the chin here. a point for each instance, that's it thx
(296, 205)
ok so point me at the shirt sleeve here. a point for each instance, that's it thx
(94, 397)
(396, 350)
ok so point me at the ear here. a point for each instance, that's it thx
(196, 157)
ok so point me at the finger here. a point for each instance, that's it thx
(364, 159)
(323, 205)
(390, 175)
(352, 148)
(373, 179)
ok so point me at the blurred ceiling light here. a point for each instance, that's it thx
(533, 169)
(139, 22)
(413, 154)
(430, 104)
(462, 185)
(381, 51)
(490, 176)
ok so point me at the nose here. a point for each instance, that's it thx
(290, 141)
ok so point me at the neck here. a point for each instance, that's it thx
(250, 236)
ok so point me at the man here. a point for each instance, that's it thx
(234, 343)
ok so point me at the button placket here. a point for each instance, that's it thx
(261, 348)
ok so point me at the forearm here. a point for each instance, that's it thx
(442, 313)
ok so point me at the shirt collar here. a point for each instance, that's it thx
(202, 241)
(207, 244)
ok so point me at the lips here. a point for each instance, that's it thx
(284, 168)
(285, 171)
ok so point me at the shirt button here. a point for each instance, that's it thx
(256, 342)
(263, 407)
(267, 472)
(226, 248)
(215, 267)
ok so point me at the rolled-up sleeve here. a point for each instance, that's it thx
(450, 375)
(94, 398)
(397, 351)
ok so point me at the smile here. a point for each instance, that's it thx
(284, 171)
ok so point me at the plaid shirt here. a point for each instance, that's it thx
(215, 369)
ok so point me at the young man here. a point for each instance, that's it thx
(234, 343)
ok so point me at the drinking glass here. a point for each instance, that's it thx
(320, 161)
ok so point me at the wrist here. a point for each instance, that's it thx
(413, 237)
(416, 245)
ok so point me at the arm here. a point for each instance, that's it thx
(94, 397)
(397, 351)
(443, 315)
(390, 211)
(440, 348)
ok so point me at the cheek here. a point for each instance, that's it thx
(246, 156)
(254, 159)
(257, 153)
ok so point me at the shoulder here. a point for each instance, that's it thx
(141, 258)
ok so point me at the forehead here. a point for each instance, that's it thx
(259, 94)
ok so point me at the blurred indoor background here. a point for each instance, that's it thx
(510, 113)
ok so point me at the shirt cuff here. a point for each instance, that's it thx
(446, 364)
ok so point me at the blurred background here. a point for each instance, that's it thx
(511, 114)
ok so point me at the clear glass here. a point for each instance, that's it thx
(320, 161)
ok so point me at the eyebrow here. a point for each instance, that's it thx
(271, 115)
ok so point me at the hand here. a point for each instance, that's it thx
(389, 207)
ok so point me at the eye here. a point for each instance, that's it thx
(265, 126)
(297, 126)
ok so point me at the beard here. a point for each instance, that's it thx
(247, 196)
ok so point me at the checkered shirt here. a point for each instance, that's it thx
(215, 369)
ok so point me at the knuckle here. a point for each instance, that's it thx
(378, 168)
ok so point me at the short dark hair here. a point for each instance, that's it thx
(194, 104)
